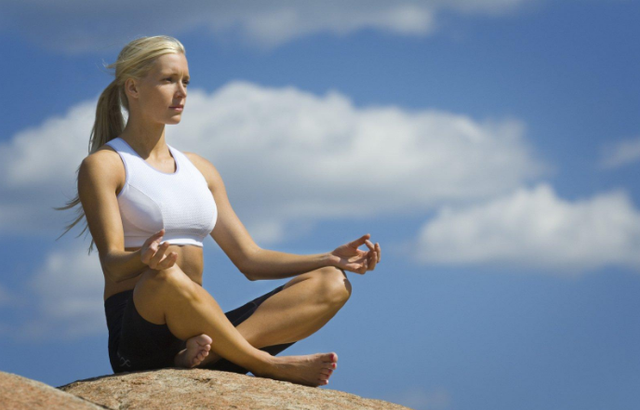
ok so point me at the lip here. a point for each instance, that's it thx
(177, 107)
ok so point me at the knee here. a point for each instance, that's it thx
(172, 280)
(334, 287)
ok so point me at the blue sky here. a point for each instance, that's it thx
(490, 146)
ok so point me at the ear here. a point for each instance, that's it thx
(131, 87)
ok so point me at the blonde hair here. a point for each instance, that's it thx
(134, 61)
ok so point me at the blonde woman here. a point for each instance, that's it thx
(148, 207)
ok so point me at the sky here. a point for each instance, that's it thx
(489, 146)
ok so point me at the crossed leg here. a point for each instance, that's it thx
(169, 296)
(305, 305)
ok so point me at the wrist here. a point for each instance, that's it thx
(329, 260)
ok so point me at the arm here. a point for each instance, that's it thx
(267, 264)
(234, 239)
(257, 263)
(97, 184)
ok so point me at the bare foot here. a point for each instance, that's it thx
(311, 370)
(211, 359)
(198, 348)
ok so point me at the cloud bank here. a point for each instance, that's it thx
(290, 158)
(67, 293)
(535, 229)
(92, 26)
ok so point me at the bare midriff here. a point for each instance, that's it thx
(189, 260)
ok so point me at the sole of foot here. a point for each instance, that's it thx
(197, 348)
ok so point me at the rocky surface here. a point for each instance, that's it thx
(208, 389)
(20, 393)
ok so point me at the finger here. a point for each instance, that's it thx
(359, 241)
(168, 261)
(157, 257)
(365, 266)
(373, 260)
(379, 251)
(370, 245)
(356, 267)
(148, 253)
(156, 236)
(359, 259)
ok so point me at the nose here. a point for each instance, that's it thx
(182, 90)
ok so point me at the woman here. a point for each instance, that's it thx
(149, 206)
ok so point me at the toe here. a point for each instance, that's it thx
(331, 357)
(205, 341)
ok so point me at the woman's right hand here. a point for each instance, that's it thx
(152, 252)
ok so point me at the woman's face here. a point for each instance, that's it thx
(162, 94)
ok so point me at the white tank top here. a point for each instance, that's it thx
(150, 200)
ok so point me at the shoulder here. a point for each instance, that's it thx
(105, 158)
(104, 166)
(207, 169)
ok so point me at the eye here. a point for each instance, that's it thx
(186, 83)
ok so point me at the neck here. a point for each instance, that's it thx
(147, 139)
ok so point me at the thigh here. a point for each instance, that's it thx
(242, 313)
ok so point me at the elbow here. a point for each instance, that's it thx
(247, 266)
(248, 274)
(110, 276)
(108, 272)
(115, 279)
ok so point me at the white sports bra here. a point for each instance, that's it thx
(150, 200)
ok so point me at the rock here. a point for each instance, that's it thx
(209, 389)
(20, 393)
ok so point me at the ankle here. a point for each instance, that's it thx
(177, 362)
(265, 363)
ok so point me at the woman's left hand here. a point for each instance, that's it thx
(349, 257)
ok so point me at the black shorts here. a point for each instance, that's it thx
(136, 344)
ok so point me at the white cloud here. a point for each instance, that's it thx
(288, 155)
(38, 164)
(533, 228)
(289, 158)
(80, 26)
(622, 153)
(68, 295)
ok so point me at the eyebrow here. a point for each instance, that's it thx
(174, 73)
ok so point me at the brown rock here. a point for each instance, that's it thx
(209, 389)
(20, 393)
